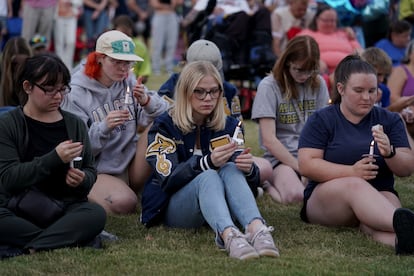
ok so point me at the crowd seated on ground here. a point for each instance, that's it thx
(245, 36)
(235, 18)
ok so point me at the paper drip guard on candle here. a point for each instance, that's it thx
(75, 162)
(127, 100)
(371, 151)
(239, 141)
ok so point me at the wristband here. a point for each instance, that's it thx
(147, 102)
(392, 153)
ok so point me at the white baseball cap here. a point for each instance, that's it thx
(117, 45)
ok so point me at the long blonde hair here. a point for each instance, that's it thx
(182, 111)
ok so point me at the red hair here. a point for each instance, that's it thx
(92, 66)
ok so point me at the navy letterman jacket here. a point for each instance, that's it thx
(170, 154)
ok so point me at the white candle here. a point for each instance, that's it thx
(236, 131)
(76, 159)
(371, 148)
(127, 95)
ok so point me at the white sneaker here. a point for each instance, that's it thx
(238, 246)
(263, 242)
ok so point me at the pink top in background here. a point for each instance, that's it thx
(333, 47)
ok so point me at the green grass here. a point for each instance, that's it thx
(305, 249)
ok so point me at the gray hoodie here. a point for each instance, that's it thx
(92, 101)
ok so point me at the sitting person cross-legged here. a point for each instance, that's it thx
(38, 142)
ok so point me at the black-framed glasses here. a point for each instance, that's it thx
(51, 92)
(201, 93)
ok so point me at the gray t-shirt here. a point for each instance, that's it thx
(290, 115)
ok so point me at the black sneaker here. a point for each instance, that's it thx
(95, 243)
(10, 252)
(403, 222)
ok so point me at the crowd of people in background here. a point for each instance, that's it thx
(336, 87)
(70, 27)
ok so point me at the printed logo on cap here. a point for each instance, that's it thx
(122, 47)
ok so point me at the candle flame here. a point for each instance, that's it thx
(372, 143)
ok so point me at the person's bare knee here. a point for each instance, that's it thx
(288, 184)
(265, 169)
(122, 203)
(114, 195)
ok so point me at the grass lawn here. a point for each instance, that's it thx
(305, 249)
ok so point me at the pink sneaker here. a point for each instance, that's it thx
(263, 242)
(238, 247)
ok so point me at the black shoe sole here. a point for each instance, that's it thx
(403, 222)
(95, 243)
(7, 252)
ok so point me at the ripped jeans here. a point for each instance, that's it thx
(215, 197)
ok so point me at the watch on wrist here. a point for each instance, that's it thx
(392, 153)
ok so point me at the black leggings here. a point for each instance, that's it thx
(81, 223)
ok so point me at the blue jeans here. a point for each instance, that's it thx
(164, 35)
(214, 197)
(94, 27)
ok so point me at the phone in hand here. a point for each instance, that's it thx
(220, 141)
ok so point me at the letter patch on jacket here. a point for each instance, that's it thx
(160, 148)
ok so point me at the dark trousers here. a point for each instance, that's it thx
(81, 223)
(239, 28)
